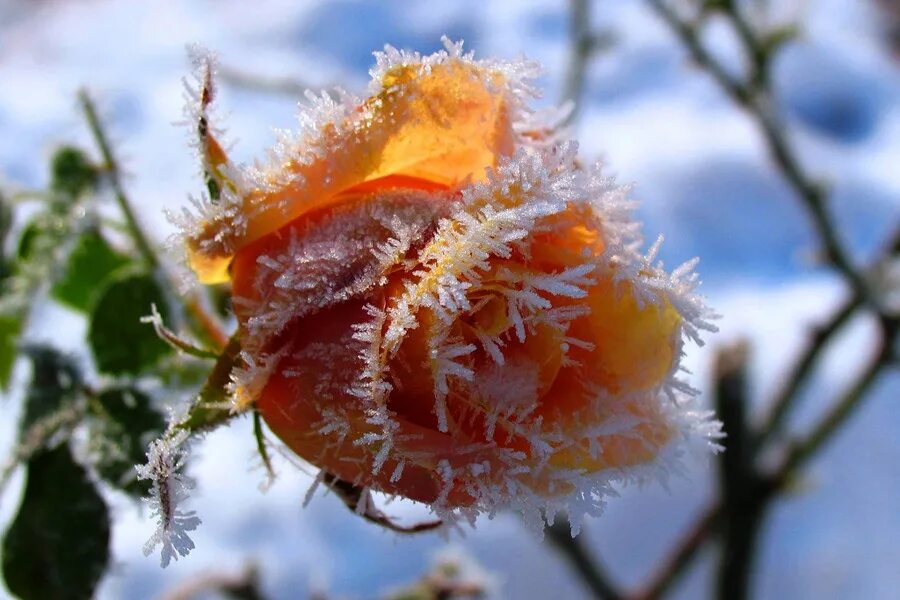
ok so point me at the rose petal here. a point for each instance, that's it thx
(442, 122)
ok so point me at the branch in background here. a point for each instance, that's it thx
(111, 166)
(742, 507)
(585, 44)
(801, 451)
(588, 567)
(239, 586)
(822, 336)
(758, 104)
(681, 557)
(37, 437)
(282, 86)
(745, 504)
(448, 580)
(802, 369)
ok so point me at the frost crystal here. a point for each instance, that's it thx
(165, 459)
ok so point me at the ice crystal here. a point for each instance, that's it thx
(170, 486)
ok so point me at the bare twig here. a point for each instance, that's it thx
(746, 492)
(581, 559)
(846, 404)
(682, 555)
(38, 435)
(738, 478)
(585, 43)
(243, 585)
(758, 106)
(801, 370)
(820, 340)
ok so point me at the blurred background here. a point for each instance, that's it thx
(698, 166)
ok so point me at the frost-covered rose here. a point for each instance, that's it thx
(437, 300)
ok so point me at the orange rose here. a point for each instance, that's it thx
(436, 301)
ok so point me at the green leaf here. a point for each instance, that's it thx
(91, 262)
(6, 221)
(123, 427)
(55, 382)
(121, 344)
(30, 236)
(10, 328)
(72, 173)
(58, 544)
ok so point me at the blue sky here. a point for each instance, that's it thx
(697, 166)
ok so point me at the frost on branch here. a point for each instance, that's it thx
(165, 460)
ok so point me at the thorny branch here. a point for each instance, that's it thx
(747, 489)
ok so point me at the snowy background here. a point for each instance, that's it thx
(702, 176)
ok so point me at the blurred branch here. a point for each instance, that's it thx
(584, 45)
(681, 557)
(588, 567)
(447, 581)
(803, 367)
(758, 104)
(844, 406)
(746, 492)
(282, 86)
(821, 338)
(38, 435)
(111, 166)
(742, 508)
(239, 586)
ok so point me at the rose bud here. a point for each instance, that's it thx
(436, 300)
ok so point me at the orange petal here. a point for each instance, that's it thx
(314, 378)
(444, 123)
(635, 346)
(334, 246)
